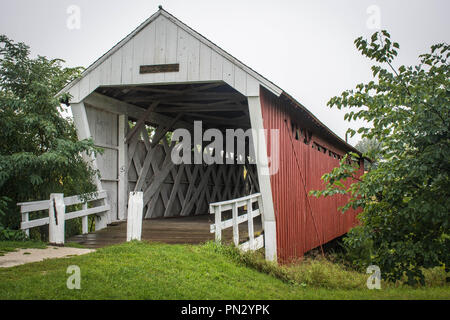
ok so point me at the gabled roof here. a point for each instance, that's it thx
(264, 82)
(161, 12)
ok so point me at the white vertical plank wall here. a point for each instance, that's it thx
(104, 129)
(167, 40)
(83, 131)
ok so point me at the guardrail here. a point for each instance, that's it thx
(56, 206)
(218, 207)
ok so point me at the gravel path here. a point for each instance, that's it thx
(23, 256)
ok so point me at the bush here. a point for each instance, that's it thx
(12, 235)
(40, 153)
(404, 199)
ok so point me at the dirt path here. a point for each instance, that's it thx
(23, 256)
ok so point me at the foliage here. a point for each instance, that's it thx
(12, 235)
(405, 200)
(11, 245)
(371, 149)
(39, 150)
(5, 233)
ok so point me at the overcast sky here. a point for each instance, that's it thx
(304, 47)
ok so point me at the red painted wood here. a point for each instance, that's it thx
(296, 232)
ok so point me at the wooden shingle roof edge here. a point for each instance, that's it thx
(319, 123)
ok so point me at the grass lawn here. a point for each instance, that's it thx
(140, 270)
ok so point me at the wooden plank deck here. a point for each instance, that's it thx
(177, 230)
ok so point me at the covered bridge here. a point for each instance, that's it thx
(165, 76)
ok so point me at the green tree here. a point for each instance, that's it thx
(39, 150)
(370, 148)
(405, 200)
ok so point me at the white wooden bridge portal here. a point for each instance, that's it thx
(161, 77)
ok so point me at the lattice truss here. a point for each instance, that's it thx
(181, 190)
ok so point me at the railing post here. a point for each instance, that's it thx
(261, 210)
(235, 224)
(134, 220)
(56, 213)
(101, 222)
(84, 221)
(251, 233)
(25, 218)
(218, 222)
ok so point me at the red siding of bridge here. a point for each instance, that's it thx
(296, 232)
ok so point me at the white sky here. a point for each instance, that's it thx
(305, 47)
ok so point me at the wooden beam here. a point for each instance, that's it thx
(141, 121)
(192, 177)
(147, 162)
(155, 89)
(157, 180)
(162, 133)
(174, 192)
(120, 107)
(122, 193)
(167, 150)
(189, 90)
(206, 96)
(256, 119)
(199, 189)
(234, 122)
(200, 108)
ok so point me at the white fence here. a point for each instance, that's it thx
(56, 206)
(218, 207)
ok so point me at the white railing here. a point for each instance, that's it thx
(218, 207)
(56, 206)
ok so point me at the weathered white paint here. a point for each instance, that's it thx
(218, 207)
(229, 223)
(218, 222)
(103, 127)
(123, 171)
(56, 212)
(256, 120)
(257, 244)
(251, 231)
(234, 212)
(25, 218)
(84, 221)
(135, 211)
(33, 206)
(164, 39)
(83, 132)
